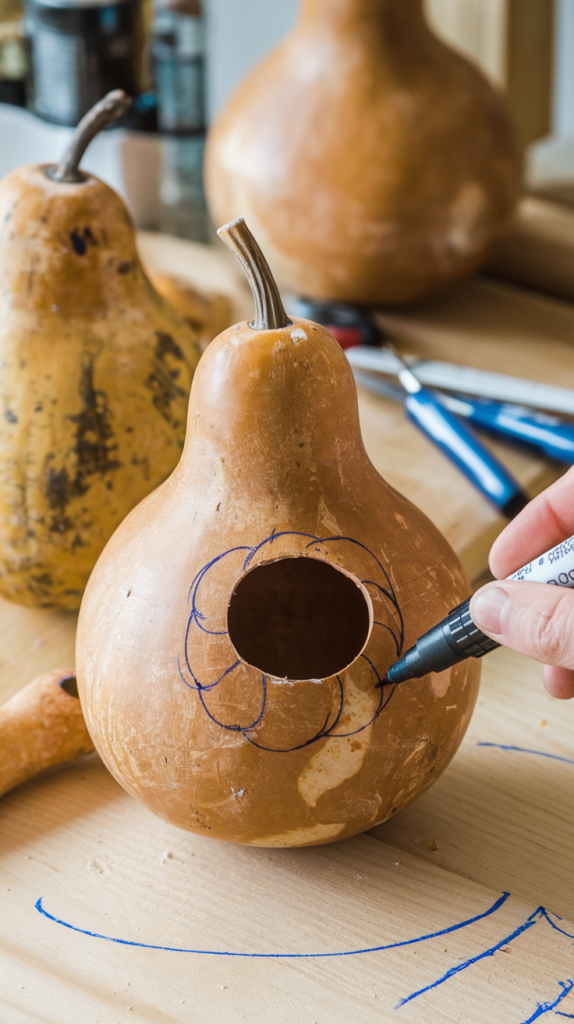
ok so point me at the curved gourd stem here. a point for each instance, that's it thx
(269, 311)
(113, 106)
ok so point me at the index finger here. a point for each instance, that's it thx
(546, 521)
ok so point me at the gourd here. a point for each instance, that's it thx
(234, 635)
(41, 726)
(95, 373)
(374, 163)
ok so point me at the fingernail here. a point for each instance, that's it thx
(487, 609)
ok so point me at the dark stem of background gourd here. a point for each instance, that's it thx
(269, 311)
(113, 106)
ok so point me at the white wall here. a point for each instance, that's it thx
(239, 32)
(564, 96)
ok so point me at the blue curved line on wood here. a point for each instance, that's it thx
(279, 956)
(526, 750)
(544, 1008)
(540, 914)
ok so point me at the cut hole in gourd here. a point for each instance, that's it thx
(298, 618)
(70, 686)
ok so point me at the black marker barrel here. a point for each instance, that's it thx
(452, 640)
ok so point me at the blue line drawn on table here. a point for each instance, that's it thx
(197, 619)
(282, 956)
(544, 1008)
(540, 914)
(525, 750)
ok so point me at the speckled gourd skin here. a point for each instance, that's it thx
(273, 452)
(373, 163)
(95, 373)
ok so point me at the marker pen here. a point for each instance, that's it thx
(457, 638)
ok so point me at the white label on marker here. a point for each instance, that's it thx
(555, 566)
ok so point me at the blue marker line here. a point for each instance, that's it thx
(525, 750)
(197, 617)
(278, 956)
(529, 923)
(544, 1008)
(545, 915)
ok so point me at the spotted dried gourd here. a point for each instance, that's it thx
(95, 373)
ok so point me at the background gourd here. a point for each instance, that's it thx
(235, 632)
(374, 163)
(95, 372)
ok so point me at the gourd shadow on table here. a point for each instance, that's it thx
(517, 847)
(56, 798)
(63, 971)
(505, 829)
(503, 812)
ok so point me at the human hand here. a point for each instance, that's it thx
(533, 618)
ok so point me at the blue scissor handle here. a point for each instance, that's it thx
(466, 451)
(550, 435)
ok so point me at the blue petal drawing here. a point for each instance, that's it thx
(198, 620)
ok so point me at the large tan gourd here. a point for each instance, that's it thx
(95, 373)
(235, 633)
(374, 163)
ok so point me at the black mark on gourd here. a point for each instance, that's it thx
(80, 240)
(165, 373)
(10, 416)
(124, 268)
(94, 450)
(41, 585)
(143, 462)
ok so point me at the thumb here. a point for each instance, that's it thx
(532, 618)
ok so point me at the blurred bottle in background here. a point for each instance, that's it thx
(12, 54)
(59, 57)
(178, 60)
(78, 51)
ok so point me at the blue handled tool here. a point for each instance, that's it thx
(461, 445)
(549, 435)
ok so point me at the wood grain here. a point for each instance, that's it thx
(498, 820)
(102, 863)
(539, 250)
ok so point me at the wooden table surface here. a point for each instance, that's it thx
(459, 910)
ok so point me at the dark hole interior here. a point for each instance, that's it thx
(70, 686)
(298, 618)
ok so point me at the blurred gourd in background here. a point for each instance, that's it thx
(95, 373)
(375, 164)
